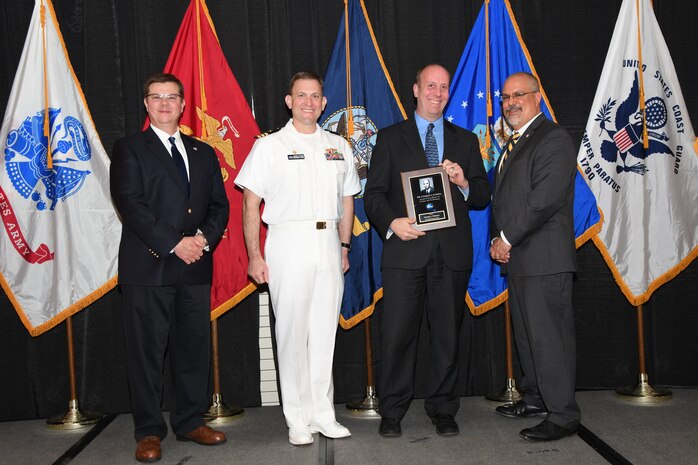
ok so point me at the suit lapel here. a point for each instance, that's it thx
(414, 143)
(521, 143)
(192, 158)
(155, 145)
(449, 140)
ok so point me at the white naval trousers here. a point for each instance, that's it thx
(306, 285)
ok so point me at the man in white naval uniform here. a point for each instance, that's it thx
(307, 179)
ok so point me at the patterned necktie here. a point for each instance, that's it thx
(430, 147)
(510, 145)
(179, 161)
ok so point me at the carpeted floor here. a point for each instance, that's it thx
(614, 431)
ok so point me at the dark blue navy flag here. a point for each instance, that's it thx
(494, 51)
(357, 108)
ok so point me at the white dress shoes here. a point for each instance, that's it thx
(299, 436)
(331, 429)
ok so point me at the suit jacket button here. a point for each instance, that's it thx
(189, 210)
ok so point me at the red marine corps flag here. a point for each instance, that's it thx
(217, 113)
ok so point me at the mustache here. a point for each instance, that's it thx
(512, 107)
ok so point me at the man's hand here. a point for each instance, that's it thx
(402, 227)
(190, 249)
(499, 251)
(258, 270)
(455, 173)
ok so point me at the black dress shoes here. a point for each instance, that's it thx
(390, 427)
(445, 425)
(546, 431)
(520, 410)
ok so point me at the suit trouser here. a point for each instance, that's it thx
(306, 283)
(404, 293)
(176, 318)
(543, 322)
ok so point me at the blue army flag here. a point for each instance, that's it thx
(361, 100)
(639, 155)
(495, 50)
(60, 236)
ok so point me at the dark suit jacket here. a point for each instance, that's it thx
(156, 210)
(399, 149)
(533, 201)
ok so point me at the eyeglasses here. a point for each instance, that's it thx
(515, 96)
(164, 97)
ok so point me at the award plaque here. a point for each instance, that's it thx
(428, 198)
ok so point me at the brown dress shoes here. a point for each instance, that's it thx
(148, 449)
(205, 436)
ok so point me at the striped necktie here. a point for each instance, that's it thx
(179, 161)
(510, 145)
(430, 147)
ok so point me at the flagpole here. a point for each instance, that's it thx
(74, 418)
(218, 412)
(643, 393)
(509, 394)
(368, 406)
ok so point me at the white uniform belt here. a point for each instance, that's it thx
(309, 224)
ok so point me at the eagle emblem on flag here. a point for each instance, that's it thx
(26, 156)
(625, 146)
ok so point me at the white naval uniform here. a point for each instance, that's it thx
(303, 179)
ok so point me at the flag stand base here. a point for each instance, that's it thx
(509, 395)
(365, 408)
(74, 418)
(644, 393)
(219, 413)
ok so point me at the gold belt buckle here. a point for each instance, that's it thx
(320, 225)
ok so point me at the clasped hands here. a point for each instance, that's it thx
(190, 248)
(499, 250)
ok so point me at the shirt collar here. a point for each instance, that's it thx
(523, 128)
(422, 123)
(165, 137)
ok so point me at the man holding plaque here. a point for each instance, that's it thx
(419, 267)
(533, 240)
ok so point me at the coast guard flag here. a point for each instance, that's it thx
(218, 114)
(60, 235)
(476, 84)
(357, 109)
(647, 192)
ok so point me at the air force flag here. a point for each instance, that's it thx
(494, 51)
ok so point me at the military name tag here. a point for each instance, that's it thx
(296, 156)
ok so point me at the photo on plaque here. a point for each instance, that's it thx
(428, 198)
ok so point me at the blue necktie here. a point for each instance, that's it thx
(430, 147)
(179, 161)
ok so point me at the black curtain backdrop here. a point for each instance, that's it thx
(115, 44)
